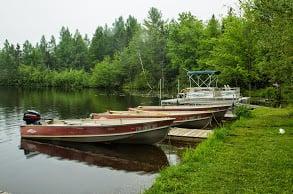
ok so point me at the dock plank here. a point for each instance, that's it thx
(188, 135)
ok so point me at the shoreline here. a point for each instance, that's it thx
(249, 155)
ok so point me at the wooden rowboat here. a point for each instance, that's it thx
(218, 111)
(188, 119)
(136, 131)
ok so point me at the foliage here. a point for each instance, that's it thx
(272, 25)
(40, 77)
(9, 61)
(140, 81)
(242, 111)
(153, 47)
(106, 74)
(184, 43)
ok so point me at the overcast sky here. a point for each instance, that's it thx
(22, 20)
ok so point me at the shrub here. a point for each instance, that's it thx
(242, 111)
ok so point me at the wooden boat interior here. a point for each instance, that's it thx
(102, 121)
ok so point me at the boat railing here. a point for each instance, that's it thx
(226, 88)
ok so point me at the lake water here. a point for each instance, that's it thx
(42, 167)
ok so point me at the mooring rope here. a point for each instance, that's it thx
(209, 123)
(218, 123)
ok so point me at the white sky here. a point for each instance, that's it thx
(22, 20)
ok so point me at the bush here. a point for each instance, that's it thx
(106, 74)
(242, 111)
(37, 76)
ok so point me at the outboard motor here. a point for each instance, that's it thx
(32, 117)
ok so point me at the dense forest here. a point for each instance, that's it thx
(252, 47)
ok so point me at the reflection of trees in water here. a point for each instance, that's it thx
(66, 104)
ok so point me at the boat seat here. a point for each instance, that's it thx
(51, 121)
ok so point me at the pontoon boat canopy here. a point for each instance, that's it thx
(205, 72)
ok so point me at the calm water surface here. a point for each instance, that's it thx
(55, 167)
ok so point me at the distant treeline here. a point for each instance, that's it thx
(253, 49)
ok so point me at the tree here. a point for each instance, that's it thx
(27, 53)
(80, 53)
(101, 44)
(45, 54)
(106, 74)
(52, 61)
(119, 34)
(233, 53)
(153, 51)
(184, 43)
(271, 22)
(65, 49)
(212, 31)
(132, 27)
(145, 54)
(9, 63)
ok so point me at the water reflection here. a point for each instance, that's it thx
(68, 104)
(145, 158)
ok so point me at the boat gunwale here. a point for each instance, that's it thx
(92, 135)
(167, 113)
(180, 108)
(155, 120)
(190, 120)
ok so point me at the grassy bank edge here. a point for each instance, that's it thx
(176, 179)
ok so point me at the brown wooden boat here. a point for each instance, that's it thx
(139, 158)
(218, 111)
(188, 119)
(126, 130)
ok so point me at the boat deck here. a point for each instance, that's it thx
(188, 135)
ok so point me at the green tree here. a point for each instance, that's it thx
(65, 49)
(153, 49)
(119, 34)
(145, 54)
(27, 50)
(272, 24)
(233, 53)
(212, 31)
(52, 61)
(80, 53)
(10, 57)
(101, 44)
(132, 27)
(106, 74)
(184, 43)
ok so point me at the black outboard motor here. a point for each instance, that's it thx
(32, 117)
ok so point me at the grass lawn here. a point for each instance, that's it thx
(248, 156)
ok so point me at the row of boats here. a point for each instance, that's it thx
(140, 125)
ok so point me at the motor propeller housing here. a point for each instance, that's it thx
(32, 117)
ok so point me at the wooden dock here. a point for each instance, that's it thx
(188, 135)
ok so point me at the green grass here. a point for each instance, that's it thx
(248, 156)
